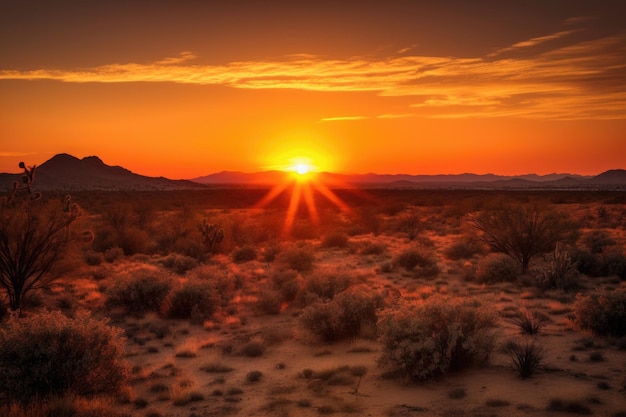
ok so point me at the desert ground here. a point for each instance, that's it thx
(269, 340)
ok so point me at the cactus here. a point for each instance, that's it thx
(212, 235)
(561, 272)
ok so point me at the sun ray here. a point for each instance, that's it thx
(331, 196)
(309, 199)
(294, 203)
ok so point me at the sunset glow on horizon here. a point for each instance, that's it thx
(394, 87)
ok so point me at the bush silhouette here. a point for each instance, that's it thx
(33, 237)
(523, 231)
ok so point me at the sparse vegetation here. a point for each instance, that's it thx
(342, 304)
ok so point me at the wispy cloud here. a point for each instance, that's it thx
(342, 118)
(534, 41)
(568, 79)
(4, 154)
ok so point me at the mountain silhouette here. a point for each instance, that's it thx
(65, 172)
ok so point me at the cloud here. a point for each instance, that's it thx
(394, 116)
(342, 118)
(534, 41)
(567, 79)
(6, 154)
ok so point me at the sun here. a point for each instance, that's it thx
(302, 168)
(303, 180)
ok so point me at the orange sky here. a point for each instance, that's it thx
(187, 89)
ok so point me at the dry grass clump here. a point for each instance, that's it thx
(526, 357)
(185, 392)
(529, 322)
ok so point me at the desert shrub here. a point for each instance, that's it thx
(413, 259)
(139, 295)
(244, 254)
(410, 223)
(436, 337)
(462, 249)
(497, 267)
(298, 259)
(49, 354)
(526, 357)
(614, 262)
(323, 285)
(611, 262)
(529, 322)
(193, 298)
(133, 240)
(335, 240)
(523, 231)
(178, 263)
(373, 248)
(270, 252)
(344, 316)
(561, 272)
(603, 312)
(597, 241)
(286, 282)
(269, 301)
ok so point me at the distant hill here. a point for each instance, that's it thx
(611, 177)
(65, 172)
(405, 181)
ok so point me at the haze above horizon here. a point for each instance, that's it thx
(398, 87)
